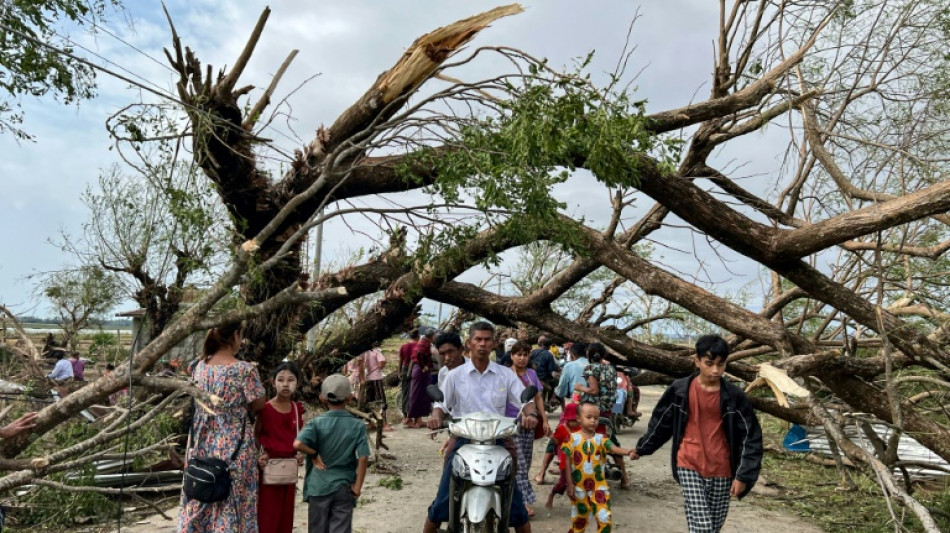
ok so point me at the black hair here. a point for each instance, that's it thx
(712, 347)
(579, 349)
(218, 338)
(481, 325)
(414, 334)
(544, 342)
(448, 337)
(290, 367)
(521, 346)
(596, 352)
(583, 403)
(110, 366)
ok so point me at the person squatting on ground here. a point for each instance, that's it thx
(568, 425)
(218, 435)
(585, 454)
(479, 385)
(277, 426)
(405, 378)
(717, 441)
(338, 452)
(524, 440)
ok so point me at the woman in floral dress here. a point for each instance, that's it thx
(239, 386)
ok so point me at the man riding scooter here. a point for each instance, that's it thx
(479, 385)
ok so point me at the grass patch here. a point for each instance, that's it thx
(391, 482)
(809, 490)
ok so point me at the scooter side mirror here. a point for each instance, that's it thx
(434, 394)
(528, 393)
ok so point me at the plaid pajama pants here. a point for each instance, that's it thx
(707, 500)
(524, 444)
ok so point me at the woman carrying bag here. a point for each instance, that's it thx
(280, 421)
(226, 436)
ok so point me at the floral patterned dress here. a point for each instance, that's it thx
(237, 384)
(591, 492)
(607, 383)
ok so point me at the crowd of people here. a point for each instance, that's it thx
(716, 452)
(267, 440)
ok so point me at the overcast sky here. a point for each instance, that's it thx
(348, 44)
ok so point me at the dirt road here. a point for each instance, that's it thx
(655, 503)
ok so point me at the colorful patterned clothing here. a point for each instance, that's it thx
(591, 492)
(607, 383)
(237, 384)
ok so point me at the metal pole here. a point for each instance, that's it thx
(317, 253)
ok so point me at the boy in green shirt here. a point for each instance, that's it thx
(337, 447)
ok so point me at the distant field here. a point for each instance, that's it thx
(38, 333)
(50, 328)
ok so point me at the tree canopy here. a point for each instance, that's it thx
(35, 54)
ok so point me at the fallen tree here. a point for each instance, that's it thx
(851, 248)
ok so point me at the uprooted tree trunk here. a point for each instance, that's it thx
(783, 238)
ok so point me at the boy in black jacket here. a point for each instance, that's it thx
(717, 441)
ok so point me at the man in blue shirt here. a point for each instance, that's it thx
(573, 372)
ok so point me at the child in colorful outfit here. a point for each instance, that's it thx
(568, 425)
(717, 441)
(337, 446)
(585, 455)
(277, 426)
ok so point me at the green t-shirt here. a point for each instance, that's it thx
(340, 440)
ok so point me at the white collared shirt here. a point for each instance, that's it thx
(468, 391)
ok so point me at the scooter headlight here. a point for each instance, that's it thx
(460, 468)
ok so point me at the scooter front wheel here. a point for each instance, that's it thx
(488, 525)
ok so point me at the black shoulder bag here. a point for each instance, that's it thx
(208, 479)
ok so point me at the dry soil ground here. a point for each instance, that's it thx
(654, 505)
